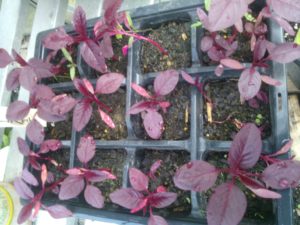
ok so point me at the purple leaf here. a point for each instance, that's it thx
(23, 146)
(28, 78)
(165, 82)
(109, 83)
(249, 83)
(138, 180)
(270, 80)
(264, 193)
(82, 114)
(202, 17)
(12, 80)
(25, 213)
(43, 113)
(93, 56)
(219, 70)
(94, 197)
(71, 187)
(154, 167)
(84, 86)
(41, 69)
(284, 149)
(215, 54)
(18, 58)
(282, 174)
(29, 178)
(126, 197)
(253, 103)
(156, 220)
(41, 91)
(246, 147)
(206, 43)
(5, 58)
(259, 49)
(153, 123)
(79, 21)
(35, 132)
(285, 52)
(57, 40)
(231, 63)
(140, 90)
(138, 107)
(287, 9)
(106, 119)
(86, 149)
(58, 211)
(196, 175)
(22, 189)
(223, 43)
(62, 104)
(99, 175)
(284, 24)
(262, 96)
(239, 26)
(17, 110)
(110, 9)
(162, 199)
(50, 145)
(225, 13)
(188, 78)
(141, 205)
(226, 206)
(106, 47)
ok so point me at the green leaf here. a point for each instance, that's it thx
(297, 38)
(67, 55)
(129, 20)
(119, 36)
(249, 17)
(207, 4)
(5, 140)
(130, 42)
(72, 72)
(197, 24)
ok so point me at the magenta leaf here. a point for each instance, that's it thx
(246, 147)
(5, 58)
(43, 113)
(23, 146)
(110, 10)
(86, 149)
(154, 167)
(22, 189)
(79, 21)
(12, 80)
(270, 80)
(84, 86)
(41, 69)
(140, 90)
(62, 104)
(226, 206)
(287, 9)
(18, 58)
(75, 171)
(284, 24)
(82, 114)
(41, 91)
(58, 211)
(126, 197)
(282, 174)
(284, 149)
(25, 213)
(29, 178)
(17, 111)
(142, 205)
(249, 83)
(138, 180)
(165, 82)
(109, 83)
(264, 193)
(156, 220)
(71, 187)
(196, 175)
(162, 199)
(215, 54)
(93, 56)
(225, 13)
(153, 123)
(94, 197)
(35, 132)
(28, 78)
(232, 63)
(106, 47)
(50, 145)
(106, 119)
(57, 40)
(188, 78)
(138, 107)
(206, 43)
(285, 52)
(99, 175)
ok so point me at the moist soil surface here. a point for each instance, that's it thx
(171, 161)
(296, 210)
(175, 38)
(98, 129)
(226, 103)
(177, 118)
(64, 70)
(258, 209)
(61, 130)
(113, 159)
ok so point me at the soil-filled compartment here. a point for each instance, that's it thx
(98, 129)
(171, 161)
(177, 118)
(259, 210)
(227, 112)
(175, 38)
(296, 206)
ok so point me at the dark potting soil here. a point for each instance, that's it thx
(61, 130)
(177, 118)
(118, 63)
(289, 38)
(98, 129)
(226, 102)
(64, 74)
(258, 209)
(173, 37)
(171, 161)
(296, 208)
(113, 159)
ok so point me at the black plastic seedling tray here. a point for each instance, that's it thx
(196, 145)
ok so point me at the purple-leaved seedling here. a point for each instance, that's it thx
(153, 122)
(139, 197)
